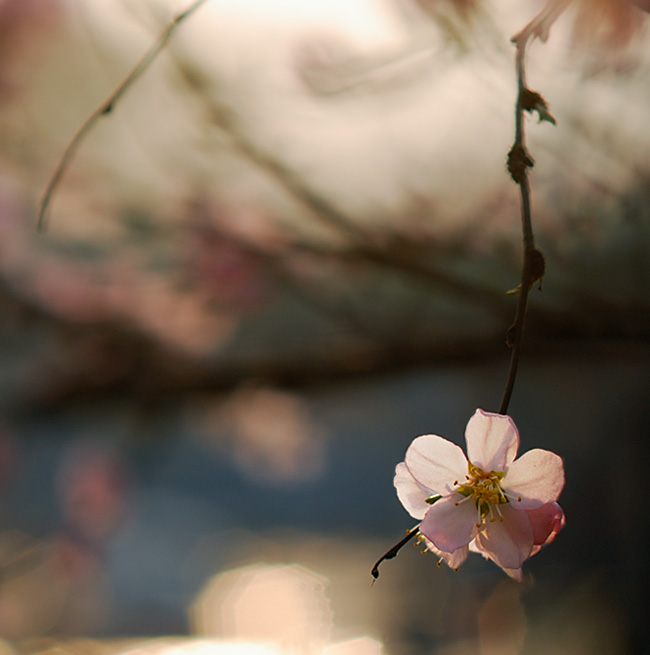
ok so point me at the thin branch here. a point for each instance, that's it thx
(107, 107)
(391, 553)
(540, 26)
(519, 161)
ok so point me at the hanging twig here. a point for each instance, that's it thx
(519, 161)
(107, 107)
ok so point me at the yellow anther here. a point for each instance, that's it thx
(484, 489)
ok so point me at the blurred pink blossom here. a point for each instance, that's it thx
(609, 24)
(26, 26)
(495, 505)
(231, 272)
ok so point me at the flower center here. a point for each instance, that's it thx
(483, 488)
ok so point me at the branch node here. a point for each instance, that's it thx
(519, 161)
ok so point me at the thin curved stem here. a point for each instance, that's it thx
(107, 107)
(519, 161)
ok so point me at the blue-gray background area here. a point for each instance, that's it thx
(192, 512)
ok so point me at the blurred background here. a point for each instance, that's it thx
(282, 256)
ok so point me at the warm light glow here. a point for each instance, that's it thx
(198, 647)
(366, 20)
(283, 605)
(270, 435)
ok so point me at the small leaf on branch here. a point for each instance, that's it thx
(532, 101)
(536, 267)
(518, 161)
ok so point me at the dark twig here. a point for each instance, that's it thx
(518, 164)
(519, 161)
(389, 554)
(107, 107)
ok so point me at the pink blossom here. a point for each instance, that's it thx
(501, 507)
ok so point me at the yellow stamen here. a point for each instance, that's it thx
(484, 488)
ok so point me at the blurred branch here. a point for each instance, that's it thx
(361, 245)
(365, 245)
(107, 107)
(108, 361)
(540, 26)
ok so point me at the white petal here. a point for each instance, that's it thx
(492, 441)
(536, 478)
(451, 524)
(411, 494)
(507, 543)
(436, 463)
